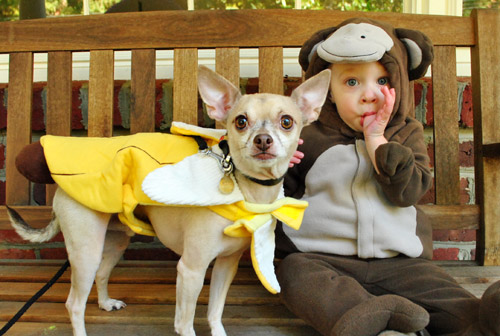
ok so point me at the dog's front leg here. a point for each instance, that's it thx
(190, 277)
(223, 273)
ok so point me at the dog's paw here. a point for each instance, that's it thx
(217, 329)
(185, 331)
(112, 304)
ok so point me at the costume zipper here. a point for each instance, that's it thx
(360, 181)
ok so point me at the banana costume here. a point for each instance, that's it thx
(114, 175)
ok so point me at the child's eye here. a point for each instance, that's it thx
(383, 81)
(352, 82)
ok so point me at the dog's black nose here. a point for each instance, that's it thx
(263, 141)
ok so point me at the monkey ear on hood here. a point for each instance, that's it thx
(309, 48)
(420, 51)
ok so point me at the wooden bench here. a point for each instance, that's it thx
(148, 286)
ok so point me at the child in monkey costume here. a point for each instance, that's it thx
(359, 265)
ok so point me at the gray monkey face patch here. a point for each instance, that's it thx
(355, 42)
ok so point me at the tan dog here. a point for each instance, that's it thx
(263, 132)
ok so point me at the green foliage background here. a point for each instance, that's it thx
(9, 9)
(468, 5)
(359, 5)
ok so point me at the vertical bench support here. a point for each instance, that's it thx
(19, 105)
(271, 70)
(58, 119)
(142, 104)
(227, 64)
(444, 83)
(101, 86)
(185, 85)
(486, 100)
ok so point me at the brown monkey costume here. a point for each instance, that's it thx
(359, 264)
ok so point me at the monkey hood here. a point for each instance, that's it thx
(406, 54)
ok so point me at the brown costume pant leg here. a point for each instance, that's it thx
(324, 290)
(452, 309)
(316, 291)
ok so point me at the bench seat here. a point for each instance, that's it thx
(148, 288)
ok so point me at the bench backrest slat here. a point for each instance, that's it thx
(101, 87)
(59, 99)
(20, 95)
(185, 102)
(142, 85)
(445, 100)
(59, 74)
(227, 64)
(271, 70)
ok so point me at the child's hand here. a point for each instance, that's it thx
(297, 156)
(374, 125)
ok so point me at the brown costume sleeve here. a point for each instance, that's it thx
(404, 166)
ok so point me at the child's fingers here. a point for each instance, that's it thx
(389, 95)
(296, 158)
(376, 124)
(385, 112)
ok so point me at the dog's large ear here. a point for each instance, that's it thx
(310, 95)
(218, 93)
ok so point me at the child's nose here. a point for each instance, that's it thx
(371, 95)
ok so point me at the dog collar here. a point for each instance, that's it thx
(267, 183)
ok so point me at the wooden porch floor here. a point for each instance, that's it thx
(148, 288)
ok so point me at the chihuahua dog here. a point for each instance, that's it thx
(262, 135)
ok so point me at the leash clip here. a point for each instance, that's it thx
(227, 164)
(225, 161)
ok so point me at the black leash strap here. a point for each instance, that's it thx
(202, 144)
(35, 297)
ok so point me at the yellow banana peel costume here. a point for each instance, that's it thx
(114, 175)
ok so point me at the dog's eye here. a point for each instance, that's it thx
(286, 122)
(241, 122)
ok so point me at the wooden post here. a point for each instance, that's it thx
(58, 122)
(486, 102)
(142, 105)
(227, 64)
(271, 70)
(19, 107)
(444, 83)
(101, 85)
(185, 88)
